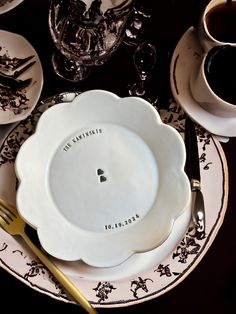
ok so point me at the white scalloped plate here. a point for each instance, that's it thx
(100, 170)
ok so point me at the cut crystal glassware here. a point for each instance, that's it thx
(85, 33)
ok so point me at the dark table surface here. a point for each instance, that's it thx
(212, 284)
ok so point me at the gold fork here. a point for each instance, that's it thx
(12, 223)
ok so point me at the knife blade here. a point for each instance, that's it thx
(192, 169)
(13, 83)
(17, 73)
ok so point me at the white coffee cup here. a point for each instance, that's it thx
(209, 28)
(213, 86)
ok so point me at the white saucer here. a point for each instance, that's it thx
(186, 58)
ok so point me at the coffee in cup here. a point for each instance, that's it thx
(214, 85)
(217, 25)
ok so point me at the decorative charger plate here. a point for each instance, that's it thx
(186, 59)
(143, 277)
(17, 105)
(7, 5)
(99, 170)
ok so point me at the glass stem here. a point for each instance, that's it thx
(141, 90)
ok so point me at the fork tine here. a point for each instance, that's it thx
(5, 217)
(3, 223)
(12, 211)
(3, 220)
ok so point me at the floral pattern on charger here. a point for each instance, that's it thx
(103, 289)
(149, 283)
(17, 137)
(38, 269)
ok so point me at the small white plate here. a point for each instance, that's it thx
(102, 179)
(16, 46)
(7, 5)
(185, 60)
